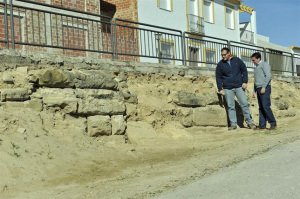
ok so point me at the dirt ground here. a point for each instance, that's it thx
(36, 163)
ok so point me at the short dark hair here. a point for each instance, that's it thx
(225, 48)
(257, 55)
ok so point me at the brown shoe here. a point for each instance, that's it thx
(272, 127)
(259, 128)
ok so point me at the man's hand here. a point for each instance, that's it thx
(254, 95)
(244, 86)
(221, 92)
(262, 91)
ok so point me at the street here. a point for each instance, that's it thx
(272, 175)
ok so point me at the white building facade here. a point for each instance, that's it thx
(203, 18)
(296, 59)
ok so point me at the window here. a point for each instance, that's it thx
(193, 55)
(210, 55)
(194, 52)
(193, 16)
(167, 52)
(208, 11)
(165, 4)
(229, 18)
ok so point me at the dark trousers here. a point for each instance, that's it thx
(265, 111)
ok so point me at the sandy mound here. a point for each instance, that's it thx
(157, 152)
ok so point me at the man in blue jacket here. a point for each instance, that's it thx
(232, 79)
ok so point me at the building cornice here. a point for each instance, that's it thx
(295, 47)
(237, 2)
(244, 8)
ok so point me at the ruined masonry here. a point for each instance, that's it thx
(92, 96)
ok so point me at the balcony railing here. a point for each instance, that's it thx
(247, 36)
(196, 24)
(38, 27)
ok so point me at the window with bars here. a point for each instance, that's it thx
(167, 52)
(210, 55)
(247, 60)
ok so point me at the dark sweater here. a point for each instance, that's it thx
(231, 76)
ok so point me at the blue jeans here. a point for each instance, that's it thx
(265, 111)
(243, 101)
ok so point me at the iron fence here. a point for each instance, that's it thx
(244, 51)
(281, 62)
(31, 23)
(147, 41)
(202, 51)
(26, 23)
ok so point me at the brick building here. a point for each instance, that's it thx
(64, 27)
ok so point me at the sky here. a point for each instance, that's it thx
(277, 19)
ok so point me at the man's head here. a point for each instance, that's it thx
(225, 52)
(256, 58)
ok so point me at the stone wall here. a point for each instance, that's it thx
(100, 96)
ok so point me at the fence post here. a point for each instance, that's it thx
(6, 24)
(293, 69)
(228, 44)
(112, 39)
(265, 54)
(183, 48)
(11, 14)
(115, 35)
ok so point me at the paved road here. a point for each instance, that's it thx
(272, 175)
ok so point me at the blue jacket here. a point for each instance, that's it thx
(231, 76)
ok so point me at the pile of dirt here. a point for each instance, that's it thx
(156, 154)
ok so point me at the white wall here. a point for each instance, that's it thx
(218, 29)
(148, 12)
(296, 60)
(264, 41)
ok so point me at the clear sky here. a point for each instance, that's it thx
(277, 19)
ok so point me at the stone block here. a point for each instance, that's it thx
(99, 94)
(98, 125)
(186, 99)
(8, 78)
(69, 105)
(18, 94)
(213, 115)
(34, 104)
(56, 79)
(118, 125)
(92, 106)
(95, 80)
(23, 70)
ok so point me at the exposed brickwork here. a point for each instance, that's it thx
(127, 40)
(125, 9)
(41, 28)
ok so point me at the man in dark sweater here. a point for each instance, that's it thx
(232, 79)
(262, 87)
